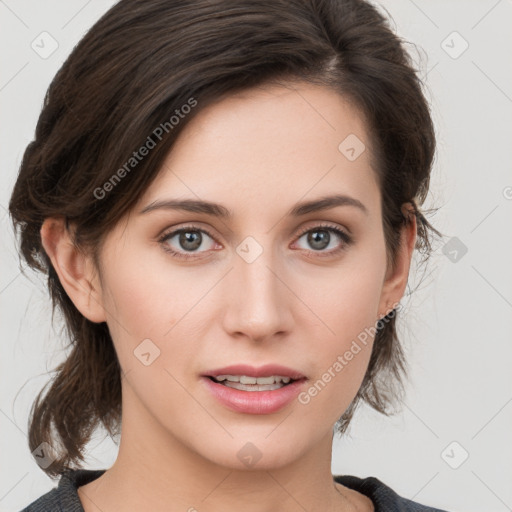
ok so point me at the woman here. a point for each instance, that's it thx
(225, 197)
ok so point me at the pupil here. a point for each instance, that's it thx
(316, 241)
(190, 236)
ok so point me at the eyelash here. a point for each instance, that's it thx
(345, 237)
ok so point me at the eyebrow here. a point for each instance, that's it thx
(218, 210)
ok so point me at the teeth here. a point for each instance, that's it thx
(253, 387)
(260, 381)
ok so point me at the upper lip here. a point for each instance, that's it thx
(251, 371)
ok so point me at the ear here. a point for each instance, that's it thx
(396, 278)
(75, 269)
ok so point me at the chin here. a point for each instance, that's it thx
(255, 452)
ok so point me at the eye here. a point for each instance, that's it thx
(188, 240)
(320, 238)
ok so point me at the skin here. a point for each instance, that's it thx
(274, 146)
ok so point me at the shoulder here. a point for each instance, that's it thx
(64, 497)
(47, 502)
(383, 497)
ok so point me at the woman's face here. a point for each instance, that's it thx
(272, 283)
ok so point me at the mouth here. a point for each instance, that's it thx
(250, 390)
(239, 375)
(247, 383)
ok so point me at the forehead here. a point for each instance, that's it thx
(268, 148)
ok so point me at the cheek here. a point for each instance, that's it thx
(158, 302)
(148, 297)
(144, 306)
(347, 298)
(347, 303)
(341, 359)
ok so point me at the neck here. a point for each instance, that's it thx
(160, 473)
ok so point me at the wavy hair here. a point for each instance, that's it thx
(140, 63)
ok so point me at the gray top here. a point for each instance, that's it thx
(64, 497)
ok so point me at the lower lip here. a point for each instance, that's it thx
(254, 402)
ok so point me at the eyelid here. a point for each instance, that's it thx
(319, 225)
(172, 232)
(342, 233)
(197, 227)
(167, 232)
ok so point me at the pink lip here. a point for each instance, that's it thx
(250, 371)
(254, 402)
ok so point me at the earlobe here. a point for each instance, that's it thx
(396, 279)
(75, 269)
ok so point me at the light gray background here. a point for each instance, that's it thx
(458, 325)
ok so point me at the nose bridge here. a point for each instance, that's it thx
(253, 267)
(257, 304)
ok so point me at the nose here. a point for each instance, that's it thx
(257, 300)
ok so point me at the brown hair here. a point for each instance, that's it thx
(134, 69)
